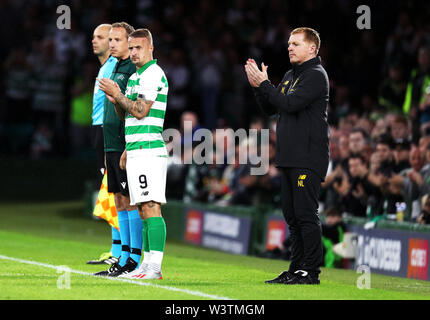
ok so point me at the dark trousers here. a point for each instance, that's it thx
(300, 190)
(98, 143)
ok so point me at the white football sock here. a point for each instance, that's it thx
(155, 260)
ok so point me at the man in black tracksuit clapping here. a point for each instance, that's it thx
(302, 147)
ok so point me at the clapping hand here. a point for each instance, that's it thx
(110, 88)
(255, 76)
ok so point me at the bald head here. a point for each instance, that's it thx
(105, 26)
(101, 40)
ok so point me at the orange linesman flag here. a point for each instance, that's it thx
(105, 205)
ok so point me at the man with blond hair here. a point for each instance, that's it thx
(302, 147)
(130, 224)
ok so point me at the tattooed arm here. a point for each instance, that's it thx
(138, 109)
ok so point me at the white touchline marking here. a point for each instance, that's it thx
(50, 266)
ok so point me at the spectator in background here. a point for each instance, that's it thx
(205, 182)
(366, 124)
(338, 163)
(423, 143)
(404, 183)
(189, 124)
(354, 189)
(392, 90)
(401, 155)
(241, 184)
(376, 199)
(358, 142)
(400, 129)
(421, 179)
(380, 128)
(387, 169)
(269, 185)
(345, 125)
(424, 217)
(384, 148)
(344, 150)
(215, 183)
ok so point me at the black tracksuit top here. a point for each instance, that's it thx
(302, 132)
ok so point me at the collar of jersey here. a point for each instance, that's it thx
(145, 66)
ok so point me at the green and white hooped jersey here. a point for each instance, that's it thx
(146, 134)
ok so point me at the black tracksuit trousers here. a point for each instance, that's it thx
(300, 190)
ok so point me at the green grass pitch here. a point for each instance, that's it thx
(37, 238)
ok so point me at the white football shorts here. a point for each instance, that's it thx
(146, 175)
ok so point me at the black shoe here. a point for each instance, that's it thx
(101, 273)
(303, 277)
(129, 266)
(282, 278)
(113, 268)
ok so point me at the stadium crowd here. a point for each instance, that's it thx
(379, 110)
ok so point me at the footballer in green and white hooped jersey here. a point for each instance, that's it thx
(146, 150)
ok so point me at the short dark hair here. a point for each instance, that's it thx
(141, 33)
(357, 156)
(128, 28)
(400, 119)
(362, 131)
(333, 211)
